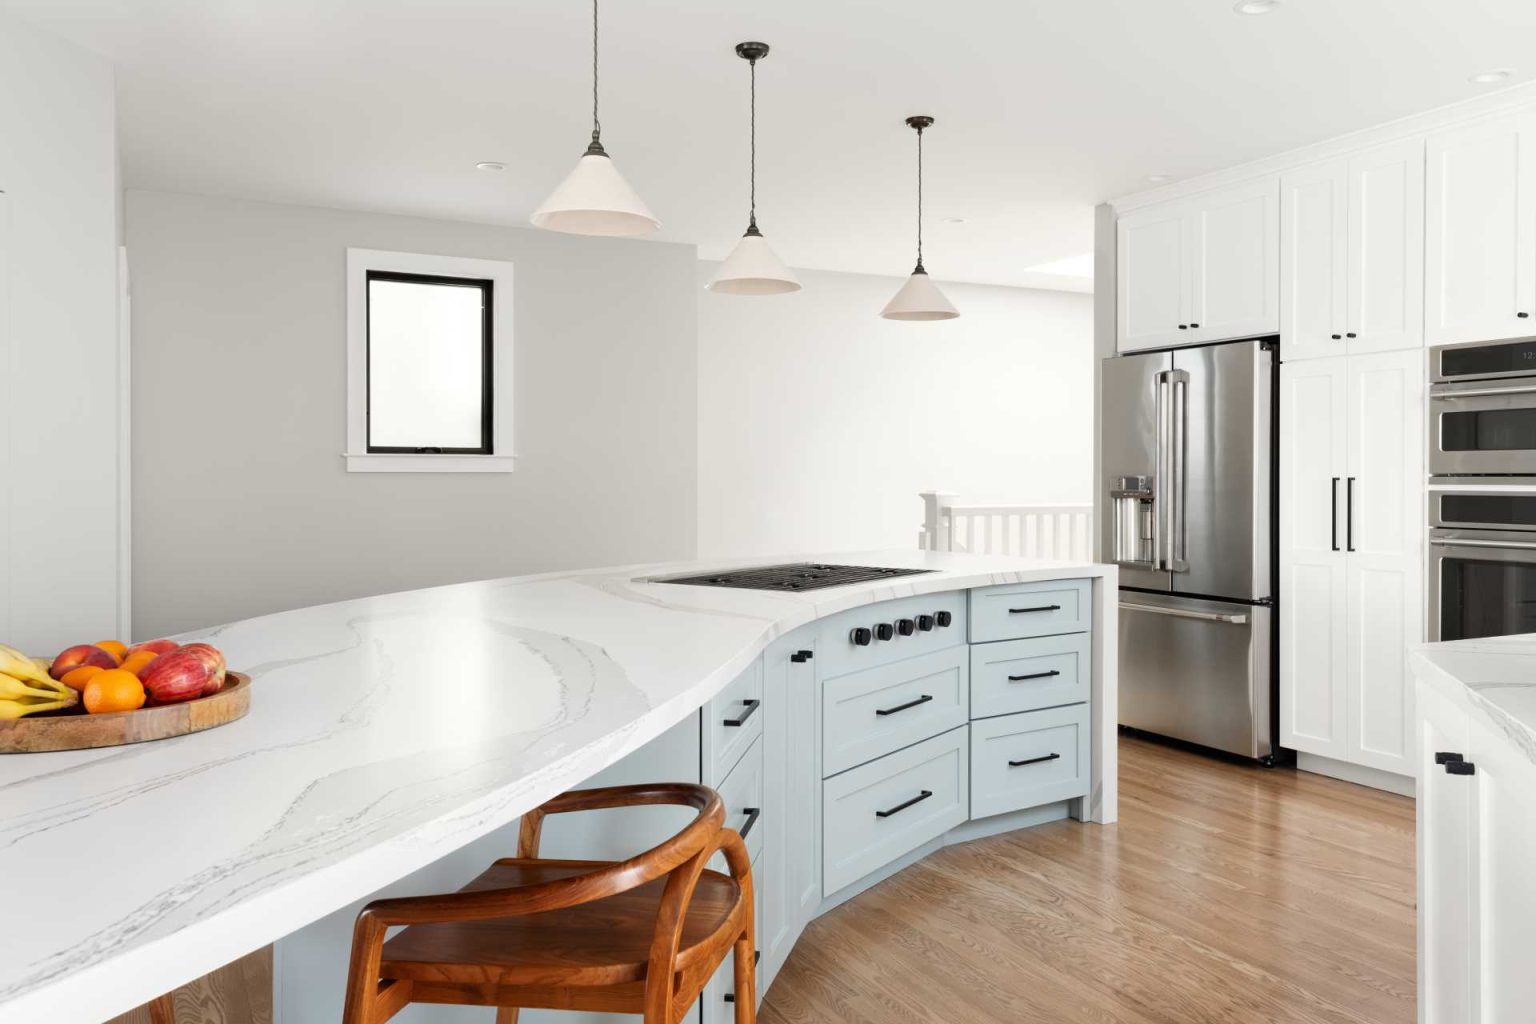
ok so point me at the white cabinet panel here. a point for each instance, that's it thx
(1313, 413)
(788, 873)
(1386, 249)
(1480, 231)
(1445, 872)
(1151, 278)
(1234, 246)
(1313, 254)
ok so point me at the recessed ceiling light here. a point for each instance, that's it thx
(954, 220)
(1255, 6)
(1491, 76)
(490, 165)
(1157, 179)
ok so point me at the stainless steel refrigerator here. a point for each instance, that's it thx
(1188, 443)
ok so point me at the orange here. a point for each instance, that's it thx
(138, 661)
(76, 678)
(114, 647)
(113, 690)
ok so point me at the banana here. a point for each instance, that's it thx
(15, 689)
(14, 663)
(13, 709)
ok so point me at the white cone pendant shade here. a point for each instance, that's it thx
(753, 269)
(594, 199)
(919, 299)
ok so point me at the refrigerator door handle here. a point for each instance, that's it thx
(1178, 389)
(1163, 495)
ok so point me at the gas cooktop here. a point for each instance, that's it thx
(794, 576)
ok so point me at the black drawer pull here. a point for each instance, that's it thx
(752, 813)
(1034, 675)
(1445, 757)
(924, 699)
(924, 795)
(799, 656)
(757, 958)
(750, 707)
(1033, 760)
(1460, 768)
(1040, 608)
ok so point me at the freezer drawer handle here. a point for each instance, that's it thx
(1038, 608)
(924, 699)
(924, 795)
(1186, 613)
(1033, 760)
(1034, 675)
(750, 706)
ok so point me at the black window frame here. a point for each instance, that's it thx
(487, 289)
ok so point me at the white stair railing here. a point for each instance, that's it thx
(1062, 532)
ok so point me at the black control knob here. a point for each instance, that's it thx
(884, 631)
(906, 627)
(925, 622)
(860, 636)
(943, 619)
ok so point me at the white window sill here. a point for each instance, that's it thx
(379, 462)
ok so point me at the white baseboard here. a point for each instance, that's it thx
(1360, 775)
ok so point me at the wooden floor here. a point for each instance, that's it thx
(1225, 894)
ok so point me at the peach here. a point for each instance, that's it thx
(157, 646)
(78, 655)
(177, 676)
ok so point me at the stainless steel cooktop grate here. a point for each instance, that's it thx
(795, 576)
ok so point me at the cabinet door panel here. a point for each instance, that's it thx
(1313, 247)
(1444, 877)
(1234, 252)
(1313, 703)
(788, 875)
(1504, 836)
(1386, 249)
(1150, 276)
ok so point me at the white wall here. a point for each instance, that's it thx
(59, 367)
(819, 422)
(242, 504)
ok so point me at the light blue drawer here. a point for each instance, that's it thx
(1024, 675)
(1013, 611)
(868, 714)
(1025, 760)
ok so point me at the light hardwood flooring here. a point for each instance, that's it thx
(1225, 895)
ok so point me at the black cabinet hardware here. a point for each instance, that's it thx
(925, 622)
(1445, 757)
(1034, 675)
(1333, 516)
(1183, 327)
(943, 619)
(1349, 514)
(924, 795)
(1194, 325)
(1037, 608)
(757, 958)
(860, 636)
(749, 708)
(1034, 760)
(807, 655)
(1523, 316)
(752, 813)
(1460, 768)
(924, 699)
(906, 627)
(1350, 334)
(1336, 337)
(884, 631)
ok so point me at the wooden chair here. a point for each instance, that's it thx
(638, 936)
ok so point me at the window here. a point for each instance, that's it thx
(429, 360)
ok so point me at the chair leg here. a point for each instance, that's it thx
(746, 981)
(162, 1010)
(506, 1015)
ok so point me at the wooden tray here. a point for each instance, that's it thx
(78, 731)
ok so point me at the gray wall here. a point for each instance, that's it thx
(241, 502)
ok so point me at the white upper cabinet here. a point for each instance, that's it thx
(1200, 269)
(1480, 231)
(1352, 253)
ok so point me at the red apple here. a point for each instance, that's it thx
(177, 676)
(158, 646)
(81, 654)
(214, 658)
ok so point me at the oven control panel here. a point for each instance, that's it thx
(891, 631)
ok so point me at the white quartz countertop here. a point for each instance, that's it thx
(384, 733)
(1493, 677)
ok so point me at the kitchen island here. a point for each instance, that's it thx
(389, 734)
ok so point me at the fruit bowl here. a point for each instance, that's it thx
(72, 729)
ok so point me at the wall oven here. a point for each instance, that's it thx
(1482, 557)
(1482, 409)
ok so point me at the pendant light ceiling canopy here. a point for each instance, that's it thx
(594, 199)
(752, 268)
(919, 298)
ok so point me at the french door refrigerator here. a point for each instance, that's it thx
(1188, 455)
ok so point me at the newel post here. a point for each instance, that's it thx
(938, 535)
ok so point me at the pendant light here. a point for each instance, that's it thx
(594, 199)
(752, 268)
(919, 298)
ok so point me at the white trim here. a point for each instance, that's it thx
(124, 449)
(358, 459)
(1359, 774)
(1463, 112)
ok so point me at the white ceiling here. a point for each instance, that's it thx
(1043, 107)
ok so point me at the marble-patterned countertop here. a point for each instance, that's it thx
(1493, 677)
(384, 733)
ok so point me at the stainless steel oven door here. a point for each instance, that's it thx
(1481, 583)
(1483, 503)
(1483, 427)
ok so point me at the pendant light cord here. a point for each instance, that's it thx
(752, 172)
(597, 126)
(920, 200)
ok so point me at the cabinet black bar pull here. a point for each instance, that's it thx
(1523, 316)
(799, 656)
(1336, 337)
(1350, 334)
(1333, 516)
(1033, 760)
(752, 813)
(1446, 757)
(1034, 675)
(1349, 514)
(924, 795)
(1460, 768)
(750, 706)
(924, 699)
(1038, 608)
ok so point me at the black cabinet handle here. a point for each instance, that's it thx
(1349, 514)
(1350, 334)
(1033, 760)
(1460, 768)
(1523, 316)
(1183, 327)
(802, 656)
(924, 795)
(1194, 325)
(1333, 516)
(749, 708)
(1034, 675)
(1445, 757)
(1336, 337)
(752, 813)
(1040, 608)
(924, 699)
